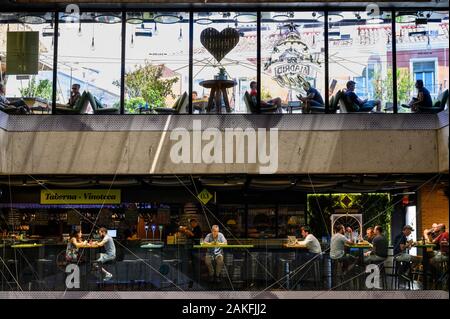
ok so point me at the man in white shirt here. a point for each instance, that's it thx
(310, 241)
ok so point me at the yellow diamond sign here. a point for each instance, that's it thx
(204, 196)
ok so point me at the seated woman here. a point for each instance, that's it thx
(20, 106)
(253, 93)
(75, 242)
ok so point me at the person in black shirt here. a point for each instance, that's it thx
(401, 244)
(312, 98)
(423, 99)
(379, 250)
(361, 105)
(194, 232)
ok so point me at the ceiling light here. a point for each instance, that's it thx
(32, 19)
(281, 17)
(107, 18)
(332, 18)
(134, 18)
(374, 21)
(204, 21)
(246, 17)
(168, 18)
(405, 17)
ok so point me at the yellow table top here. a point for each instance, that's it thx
(425, 245)
(296, 246)
(359, 245)
(222, 246)
(26, 245)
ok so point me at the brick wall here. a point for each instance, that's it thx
(433, 207)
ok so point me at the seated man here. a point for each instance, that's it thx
(20, 106)
(310, 242)
(362, 105)
(312, 98)
(215, 254)
(254, 93)
(74, 95)
(441, 241)
(337, 248)
(110, 251)
(369, 235)
(379, 250)
(423, 99)
(401, 245)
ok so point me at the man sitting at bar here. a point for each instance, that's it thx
(310, 241)
(369, 235)
(194, 232)
(401, 245)
(379, 250)
(110, 251)
(337, 248)
(441, 249)
(215, 255)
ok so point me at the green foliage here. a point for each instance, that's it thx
(42, 89)
(132, 105)
(384, 87)
(375, 208)
(146, 82)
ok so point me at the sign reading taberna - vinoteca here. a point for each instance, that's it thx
(80, 196)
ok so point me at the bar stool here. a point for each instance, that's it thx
(44, 269)
(397, 275)
(337, 272)
(169, 266)
(285, 271)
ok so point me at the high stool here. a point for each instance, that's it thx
(44, 269)
(285, 271)
(101, 284)
(397, 274)
(337, 272)
(171, 266)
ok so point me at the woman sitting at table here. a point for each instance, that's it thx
(75, 242)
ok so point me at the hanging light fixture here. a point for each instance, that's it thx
(93, 40)
(80, 31)
(132, 41)
(180, 36)
(155, 32)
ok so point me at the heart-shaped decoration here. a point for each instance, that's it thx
(219, 44)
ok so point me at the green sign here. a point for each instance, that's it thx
(205, 196)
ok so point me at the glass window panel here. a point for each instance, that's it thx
(360, 49)
(32, 92)
(422, 53)
(225, 64)
(89, 54)
(157, 51)
(292, 47)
